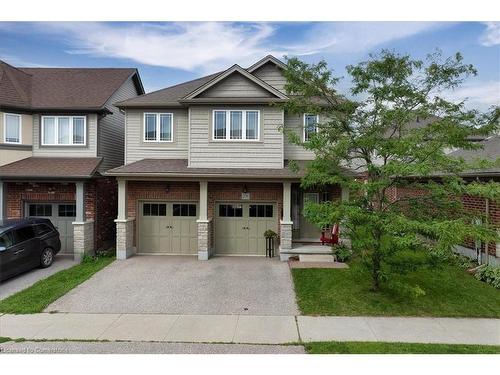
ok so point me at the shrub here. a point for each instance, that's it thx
(342, 252)
(489, 274)
(462, 261)
(270, 234)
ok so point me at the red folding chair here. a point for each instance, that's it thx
(330, 237)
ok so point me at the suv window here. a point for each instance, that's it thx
(23, 234)
(42, 229)
(6, 239)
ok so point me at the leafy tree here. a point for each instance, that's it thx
(393, 131)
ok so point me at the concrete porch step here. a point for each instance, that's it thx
(315, 258)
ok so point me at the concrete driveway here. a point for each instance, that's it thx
(26, 279)
(185, 285)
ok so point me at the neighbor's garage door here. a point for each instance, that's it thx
(168, 228)
(62, 215)
(240, 227)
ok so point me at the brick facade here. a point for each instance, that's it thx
(476, 206)
(100, 202)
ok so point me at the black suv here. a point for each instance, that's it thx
(26, 244)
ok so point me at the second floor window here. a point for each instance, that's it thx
(64, 130)
(12, 128)
(236, 125)
(310, 126)
(158, 127)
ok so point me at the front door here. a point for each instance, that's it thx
(240, 227)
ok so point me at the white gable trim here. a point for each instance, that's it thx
(231, 70)
(264, 61)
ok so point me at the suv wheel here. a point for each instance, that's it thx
(46, 258)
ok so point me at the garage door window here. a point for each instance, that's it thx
(230, 210)
(40, 210)
(154, 209)
(260, 210)
(67, 210)
(184, 209)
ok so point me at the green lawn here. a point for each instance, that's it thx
(41, 294)
(396, 348)
(449, 292)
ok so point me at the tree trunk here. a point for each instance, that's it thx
(376, 271)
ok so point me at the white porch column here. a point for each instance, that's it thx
(286, 222)
(204, 225)
(124, 226)
(83, 229)
(344, 195)
(3, 200)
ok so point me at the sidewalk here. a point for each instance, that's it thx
(247, 329)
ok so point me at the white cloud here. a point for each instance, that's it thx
(490, 36)
(479, 95)
(201, 46)
(212, 46)
(354, 37)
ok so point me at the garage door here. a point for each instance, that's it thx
(62, 216)
(240, 227)
(168, 228)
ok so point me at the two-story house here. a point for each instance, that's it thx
(206, 167)
(59, 131)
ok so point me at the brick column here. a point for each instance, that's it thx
(286, 224)
(83, 239)
(124, 226)
(124, 238)
(83, 229)
(204, 233)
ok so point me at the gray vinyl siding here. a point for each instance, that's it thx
(266, 153)
(236, 86)
(272, 75)
(89, 150)
(111, 131)
(295, 123)
(136, 149)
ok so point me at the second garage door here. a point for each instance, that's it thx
(240, 227)
(167, 228)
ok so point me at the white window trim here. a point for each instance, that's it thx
(42, 132)
(243, 125)
(158, 115)
(20, 128)
(304, 125)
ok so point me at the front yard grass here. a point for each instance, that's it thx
(450, 292)
(333, 347)
(41, 294)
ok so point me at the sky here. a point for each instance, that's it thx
(167, 53)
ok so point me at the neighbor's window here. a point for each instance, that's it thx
(236, 125)
(12, 132)
(310, 125)
(64, 130)
(40, 209)
(158, 127)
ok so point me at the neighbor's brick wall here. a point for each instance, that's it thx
(18, 193)
(100, 202)
(473, 204)
(106, 211)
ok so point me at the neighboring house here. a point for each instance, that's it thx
(59, 131)
(479, 208)
(206, 167)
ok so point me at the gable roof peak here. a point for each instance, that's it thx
(265, 60)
